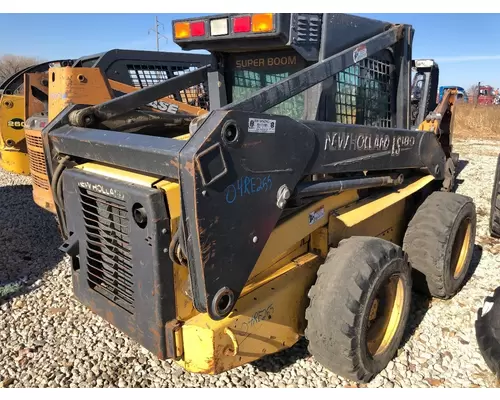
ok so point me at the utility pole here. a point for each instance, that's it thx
(157, 33)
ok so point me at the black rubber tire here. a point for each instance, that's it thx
(340, 302)
(495, 204)
(429, 241)
(488, 332)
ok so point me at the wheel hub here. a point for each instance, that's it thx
(385, 315)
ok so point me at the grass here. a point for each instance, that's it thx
(481, 122)
(9, 288)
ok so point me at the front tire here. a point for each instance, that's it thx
(359, 307)
(439, 242)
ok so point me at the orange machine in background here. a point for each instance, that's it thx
(94, 79)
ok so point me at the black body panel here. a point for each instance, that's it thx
(120, 268)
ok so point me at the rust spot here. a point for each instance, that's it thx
(156, 290)
(189, 167)
(110, 317)
(251, 144)
(174, 163)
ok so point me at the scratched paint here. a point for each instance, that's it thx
(247, 186)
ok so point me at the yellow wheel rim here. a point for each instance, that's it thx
(460, 248)
(385, 315)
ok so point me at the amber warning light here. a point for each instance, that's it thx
(251, 23)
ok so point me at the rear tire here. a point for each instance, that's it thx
(495, 204)
(359, 307)
(439, 242)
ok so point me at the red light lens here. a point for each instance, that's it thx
(242, 24)
(198, 28)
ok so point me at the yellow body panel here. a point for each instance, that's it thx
(14, 161)
(13, 153)
(267, 320)
(375, 216)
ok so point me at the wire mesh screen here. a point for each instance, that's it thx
(148, 75)
(195, 95)
(363, 94)
(247, 82)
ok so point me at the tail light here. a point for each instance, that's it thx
(182, 30)
(185, 30)
(241, 24)
(262, 23)
(197, 28)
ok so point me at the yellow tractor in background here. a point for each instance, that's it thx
(301, 204)
(13, 105)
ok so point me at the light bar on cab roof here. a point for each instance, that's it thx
(231, 25)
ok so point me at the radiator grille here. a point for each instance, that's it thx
(37, 162)
(34, 141)
(40, 182)
(109, 263)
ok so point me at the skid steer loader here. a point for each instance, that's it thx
(301, 204)
(100, 77)
(13, 149)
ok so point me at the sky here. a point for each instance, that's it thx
(466, 46)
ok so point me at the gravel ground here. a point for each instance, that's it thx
(47, 339)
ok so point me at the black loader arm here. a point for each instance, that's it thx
(236, 164)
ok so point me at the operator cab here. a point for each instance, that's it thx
(252, 51)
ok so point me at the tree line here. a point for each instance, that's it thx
(10, 64)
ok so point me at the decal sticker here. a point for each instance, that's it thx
(359, 53)
(316, 215)
(98, 188)
(16, 123)
(258, 125)
(162, 106)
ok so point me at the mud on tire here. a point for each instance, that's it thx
(439, 242)
(342, 325)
